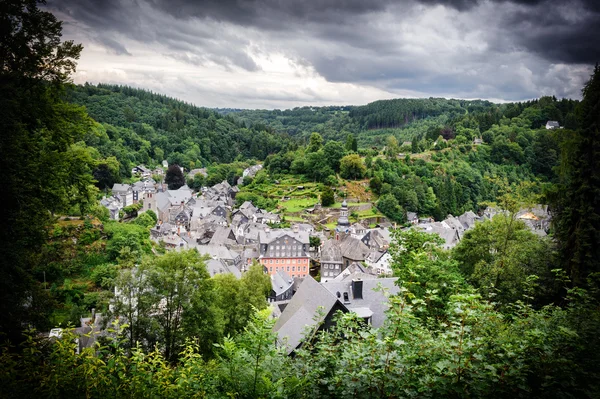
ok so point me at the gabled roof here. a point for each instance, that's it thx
(223, 236)
(331, 252)
(372, 298)
(281, 282)
(217, 252)
(353, 248)
(120, 188)
(302, 312)
(216, 266)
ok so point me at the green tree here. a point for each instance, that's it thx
(351, 143)
(352, 167)
(41, 173)
(575, 199)
(238, 299)
(389, 206)
(327, 197)
(333, 153)
(315, 142)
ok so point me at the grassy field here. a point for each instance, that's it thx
(297, 204)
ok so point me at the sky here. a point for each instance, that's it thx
(280, 54)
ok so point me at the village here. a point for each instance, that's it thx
(311, 268)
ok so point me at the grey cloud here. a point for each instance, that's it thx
(355, 41)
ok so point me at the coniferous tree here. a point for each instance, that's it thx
(576, 200)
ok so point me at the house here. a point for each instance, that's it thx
(332, 263)
(282, 287)
(379, 262)
(406, 144)
(194, 172)
(412, 217)
(375, 240)
(142, 171)
(114, 205)
(337, 255)
(365, 297)
(124, 192)
(223, 236)
(141, 187)
(315, 304)
(477, 141)
(158, 171)
(357, 230)
(221, 252)
(552, 125)
(285, 249)
(165, 164)
(180, 215)
(217, 266)
(251, 171)
(354, 269)
(312, 305)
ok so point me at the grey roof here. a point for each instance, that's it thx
(120, 188)
(162, 201)
(552, 123)
(353, 248)
(223, 236)
(301, 312)
(468, 219)
(281, 282)
(267, 237)
(451, 236)
(412, 216)
(217, 252)
(331, 252)
(178, 196)
(216, 266)
(373, 299)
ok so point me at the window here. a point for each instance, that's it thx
(326, 266)
(304, 268)
(271, 260)
(288, 268)
(271, 269)
(293, 268)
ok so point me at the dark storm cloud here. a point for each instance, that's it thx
(356, 41)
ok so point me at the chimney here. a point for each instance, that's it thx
(357, 289)
(296, 228)
(93, 315)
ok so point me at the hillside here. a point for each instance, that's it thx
(139, 126)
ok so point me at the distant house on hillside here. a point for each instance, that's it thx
(552, 125)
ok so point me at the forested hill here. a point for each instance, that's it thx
(399, 112)
(144, 127)
(404, 118)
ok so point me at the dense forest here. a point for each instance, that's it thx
(137, 126)
(505, 313)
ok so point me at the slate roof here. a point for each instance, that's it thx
(176, 197)
(412, 216)
(301, 312)
(223, 236)
(353, 248)
(120, 188)
(373, 299)
(331, 252)
(281, 282)
(216, 266)
(217, 252)
(267, 237)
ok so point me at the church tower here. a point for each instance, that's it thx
(343, 224)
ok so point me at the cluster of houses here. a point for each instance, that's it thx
(351, 262)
